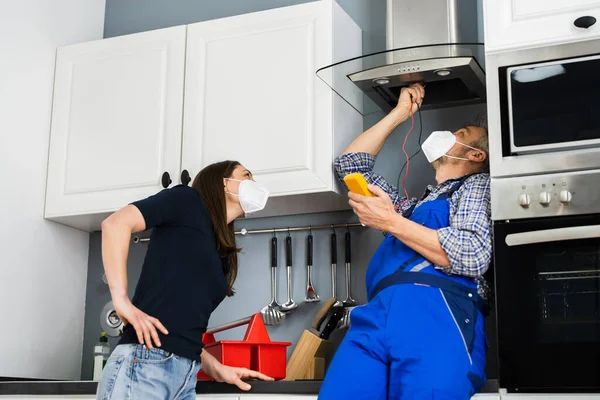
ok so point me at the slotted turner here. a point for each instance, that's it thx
(290, 304)
(270, 313)
(311, 292)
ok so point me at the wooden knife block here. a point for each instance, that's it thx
(309, 358)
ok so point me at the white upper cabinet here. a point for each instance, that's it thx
(116, 124)
(511, 24)
(128, 109)
(252, 95)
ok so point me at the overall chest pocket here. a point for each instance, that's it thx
(434, 216)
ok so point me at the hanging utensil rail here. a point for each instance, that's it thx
(244, 232)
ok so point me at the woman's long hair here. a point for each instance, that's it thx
(209, 183)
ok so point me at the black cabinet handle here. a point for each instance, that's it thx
(585, 22)
(185, 177)
(166, 180)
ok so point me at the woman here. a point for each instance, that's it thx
(190, 266)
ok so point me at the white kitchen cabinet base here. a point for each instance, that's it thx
(304, 204)
(47, 397)
(251, 396)
(554, 396)
(276, 206)
(84, 222)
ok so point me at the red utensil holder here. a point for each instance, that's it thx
(256, 351)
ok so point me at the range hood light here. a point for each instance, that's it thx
(443, 72)
(382, 81)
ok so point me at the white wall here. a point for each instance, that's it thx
(42, 264)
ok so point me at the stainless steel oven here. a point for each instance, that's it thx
(543, 109)
(547, 281)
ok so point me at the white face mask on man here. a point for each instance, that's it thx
(439, 143)
(253, 195)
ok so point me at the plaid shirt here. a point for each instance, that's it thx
(468, 239)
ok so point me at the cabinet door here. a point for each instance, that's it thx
(116, 121)
(47, 397)
(252, 95)
(553, 396)
(527, 23)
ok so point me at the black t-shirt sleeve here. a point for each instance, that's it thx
(165, 207)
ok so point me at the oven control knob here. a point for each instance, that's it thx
(524, 200)
(545, 198)
(565, 196)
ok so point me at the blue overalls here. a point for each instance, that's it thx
(421, 335)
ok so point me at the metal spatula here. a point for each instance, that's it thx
(311, 293)
(290, 304)
(270, 313)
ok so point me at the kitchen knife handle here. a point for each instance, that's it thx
(309, 245)
(288, 251)
(274, 252)
(348, 250)
(333, 248)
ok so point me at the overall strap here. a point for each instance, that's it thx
(455, 186)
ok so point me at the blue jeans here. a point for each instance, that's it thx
(133, 372)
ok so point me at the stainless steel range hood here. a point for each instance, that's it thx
(433, 42)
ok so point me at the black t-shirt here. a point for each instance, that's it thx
(183, 278)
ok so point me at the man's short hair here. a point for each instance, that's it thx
(480, 121)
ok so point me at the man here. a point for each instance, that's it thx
(421, 335)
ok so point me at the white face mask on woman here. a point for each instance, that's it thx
(439, 143)
(253, 195)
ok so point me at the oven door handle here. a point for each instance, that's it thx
(553, 235)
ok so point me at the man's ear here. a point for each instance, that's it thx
(477, 156)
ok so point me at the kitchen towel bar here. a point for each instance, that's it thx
(243, 232)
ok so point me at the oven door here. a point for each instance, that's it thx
(547, 280)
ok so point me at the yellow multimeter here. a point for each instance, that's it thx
(357, 183)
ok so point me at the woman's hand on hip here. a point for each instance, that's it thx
(145, 326)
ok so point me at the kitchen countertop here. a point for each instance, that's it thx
(202, 387)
